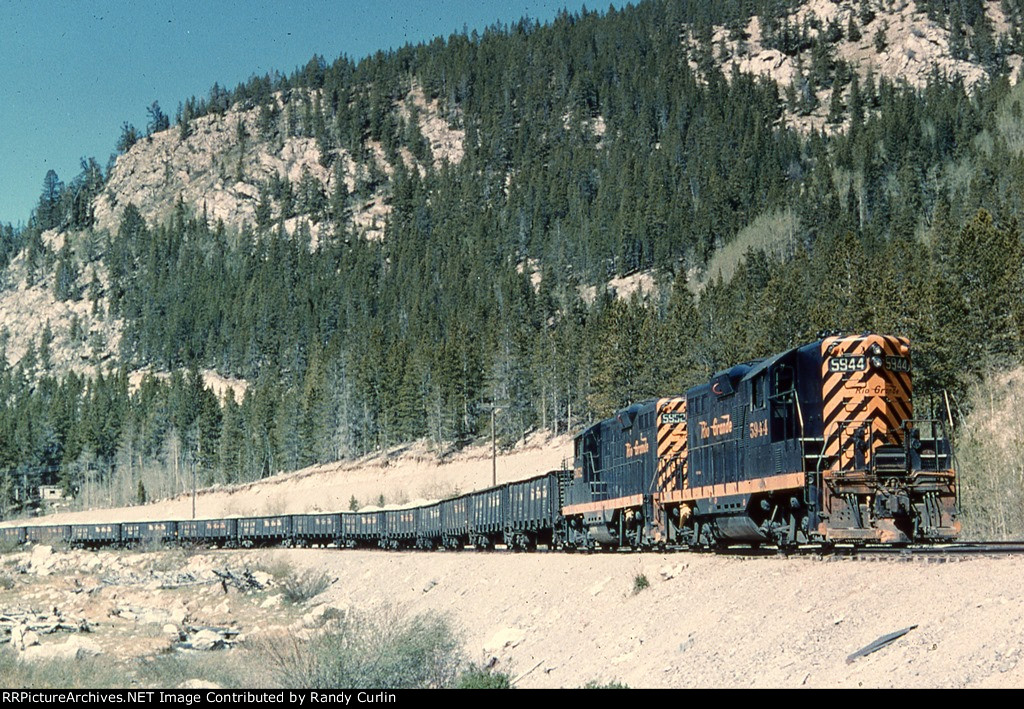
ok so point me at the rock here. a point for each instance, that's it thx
(41, 552)
(84, 646)
(315, 617)
(172, 630)
(198, 684)
(75, 648)
(206, 640)
(271, 602)
(429, 585)
(18, 637)
(153, 617)
(671, 571)
(263, 578)
(506, 637)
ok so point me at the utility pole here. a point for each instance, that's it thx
(494, 443)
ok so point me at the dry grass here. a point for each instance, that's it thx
(989, 454)
(278, 567)
(86, 673)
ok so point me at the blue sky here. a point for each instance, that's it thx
(71, 73)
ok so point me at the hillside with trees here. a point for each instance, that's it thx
(386, 249)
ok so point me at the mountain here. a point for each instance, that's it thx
(549, 221)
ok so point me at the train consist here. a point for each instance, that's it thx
(815, 445)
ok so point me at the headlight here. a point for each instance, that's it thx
(876, 350)
(876, 362)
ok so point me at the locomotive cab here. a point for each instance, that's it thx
(746, 453)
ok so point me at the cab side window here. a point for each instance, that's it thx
(757, 392)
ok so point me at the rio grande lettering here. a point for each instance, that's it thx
(638, 448)
(717, 427)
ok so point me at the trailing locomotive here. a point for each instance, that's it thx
(817, 444)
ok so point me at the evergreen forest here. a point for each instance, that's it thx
(903, 218)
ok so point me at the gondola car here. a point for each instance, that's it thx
(533, 514)
(12, 536)
(398, 530)
(91, 536)
(429, 531)
(48, 533)
(211, 532)
(317, 529)
(363, 529)
(265, 531)
(455, 522)
(140, 533)
(487, 517)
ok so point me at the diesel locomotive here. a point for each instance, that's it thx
(815, 445)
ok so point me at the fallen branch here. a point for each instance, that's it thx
(879, 644)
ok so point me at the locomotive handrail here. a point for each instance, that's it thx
(939, 439)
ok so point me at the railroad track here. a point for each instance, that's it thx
(958, 549)
(951, 550)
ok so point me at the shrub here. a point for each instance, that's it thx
(480, 677)
(381, 649)
(594, 684)
(640, 582)
(299, 588)
(278, 567)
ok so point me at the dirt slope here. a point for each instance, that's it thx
(404, 476)
(561, 620)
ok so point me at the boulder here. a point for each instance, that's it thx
(75, 648)
(206, 640)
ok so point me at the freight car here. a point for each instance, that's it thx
(817, 444)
